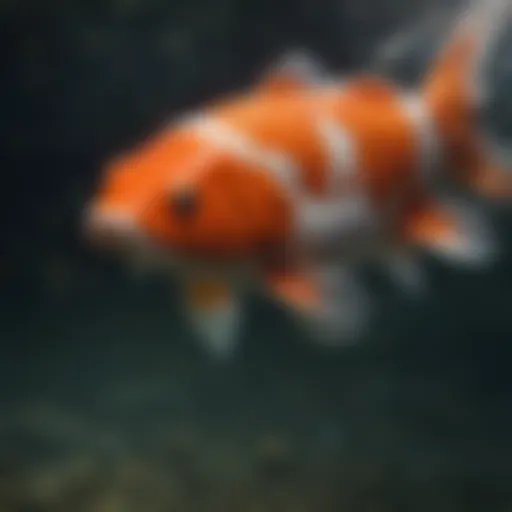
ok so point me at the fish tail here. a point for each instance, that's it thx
(456, 91)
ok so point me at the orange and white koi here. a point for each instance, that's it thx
(288, 186)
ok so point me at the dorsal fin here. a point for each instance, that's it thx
(369, 87)
(294, 70)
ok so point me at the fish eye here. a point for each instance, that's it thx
(183, 203)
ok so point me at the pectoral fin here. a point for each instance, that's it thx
(214, 311)
(329, 303)
(454, 231)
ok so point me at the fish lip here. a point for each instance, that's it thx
(111, 229)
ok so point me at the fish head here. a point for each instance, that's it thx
(180, 196)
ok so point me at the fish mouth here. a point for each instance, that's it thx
(110, 229)
(116, 233)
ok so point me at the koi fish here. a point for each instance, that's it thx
(287, 187)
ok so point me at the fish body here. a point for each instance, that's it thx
(287, 187)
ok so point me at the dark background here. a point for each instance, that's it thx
(106, 404)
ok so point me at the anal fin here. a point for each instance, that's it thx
(329, 303)
(453, 230)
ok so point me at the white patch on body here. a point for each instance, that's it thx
(429, 143)
(341, 157)
(315, 219)
(224, 136)
(346, 211)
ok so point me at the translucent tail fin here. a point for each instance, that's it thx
(456, 90)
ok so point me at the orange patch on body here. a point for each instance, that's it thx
(384, 137)
(292, 130)
(238, 212)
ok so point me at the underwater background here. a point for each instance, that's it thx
(106, 402)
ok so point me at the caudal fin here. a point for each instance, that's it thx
(456, 91)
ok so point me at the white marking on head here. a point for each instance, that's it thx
(111, 222)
